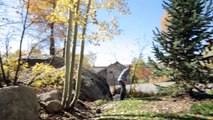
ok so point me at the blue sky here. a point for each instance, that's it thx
(137, 34)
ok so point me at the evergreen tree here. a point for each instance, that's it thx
(180, 47)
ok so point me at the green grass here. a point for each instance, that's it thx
(100, 102)
(130, 109)
(203, 107)
(210, 92)
(173, 90)
(130, 106)
(125, 109)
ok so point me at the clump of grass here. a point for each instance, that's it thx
(173, 90)
(203, 108)
(210, 92)
(101, 102)
(128, 108)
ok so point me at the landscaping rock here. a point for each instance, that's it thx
(18, 103)
(55, 61)
(98, 111)
(52, 95)
(94, 87)
(53, 106)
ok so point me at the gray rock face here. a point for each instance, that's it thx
(52, 95)
(55, 61)
(18, 103)
(94, 87)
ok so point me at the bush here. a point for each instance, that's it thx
(10, 67)
(44, 75)
(210, 92)
(204, 108)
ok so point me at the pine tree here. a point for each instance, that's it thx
(189, 28)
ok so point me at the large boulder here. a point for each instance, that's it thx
(55, 61)
(18, 103)
(94, 87)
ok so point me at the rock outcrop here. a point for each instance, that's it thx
(55, 61)
(18, 103)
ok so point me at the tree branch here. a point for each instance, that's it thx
(20, 46)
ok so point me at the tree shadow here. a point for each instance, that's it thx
(152, 116)
(153, 98)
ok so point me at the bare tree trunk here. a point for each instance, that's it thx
(20, 45)
(78, 84)
(64, 49)
(52, 39)
(7, 82)
(67, 60)
(7, 44)
(133, 79)
(72, 66)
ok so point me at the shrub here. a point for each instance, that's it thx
(210, 92)
(203, 107)
(44, 75)
(10, 66)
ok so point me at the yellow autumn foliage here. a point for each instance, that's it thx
(10, 65)
(48, 11)
(47, 75)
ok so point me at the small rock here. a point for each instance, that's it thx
(52, 95)
(98, 111)
(116, 97)
(44, 116)
(53, 106)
